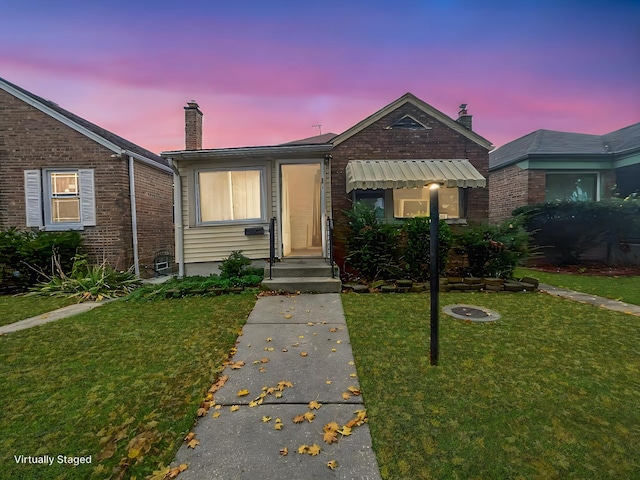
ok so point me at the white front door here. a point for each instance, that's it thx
(302, 214)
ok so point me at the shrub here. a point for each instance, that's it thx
(566, 230)
(234, 265)
(493, 250)
(26, 256)
(418, 244)
(372, 245)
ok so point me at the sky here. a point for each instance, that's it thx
(270, 71)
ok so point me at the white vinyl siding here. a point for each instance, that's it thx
(60, 199)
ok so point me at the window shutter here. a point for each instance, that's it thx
(87, 198)
(33, 197)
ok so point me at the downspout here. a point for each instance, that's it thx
(134, 218)
(177, 217)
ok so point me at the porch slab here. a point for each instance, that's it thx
(303, 284)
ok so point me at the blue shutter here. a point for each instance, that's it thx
(33, 197)
(87, 198)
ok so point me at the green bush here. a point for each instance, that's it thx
(493, 250)
(372, 245)
(234, 265)
(417, 250)
(26, 256)
(566, 230)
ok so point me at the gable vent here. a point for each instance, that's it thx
(408, 123)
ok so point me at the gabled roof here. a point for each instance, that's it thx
(316, 140)
(109, 140)
(554, 143)
(425, 107)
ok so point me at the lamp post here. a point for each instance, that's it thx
(434, 281)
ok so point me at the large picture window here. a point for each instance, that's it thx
(414, 202)
(571, 187)
(230, 195)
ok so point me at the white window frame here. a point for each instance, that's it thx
(38, 196)
(263, 196)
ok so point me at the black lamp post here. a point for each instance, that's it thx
(434, 281)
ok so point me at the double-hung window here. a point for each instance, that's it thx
(60, 199)
(226, 196)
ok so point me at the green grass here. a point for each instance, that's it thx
(16, 308)
(89, 384)
(625, 289)
(549, 391)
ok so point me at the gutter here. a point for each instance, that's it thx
(177, 218)
(134, 217)
(279, 150)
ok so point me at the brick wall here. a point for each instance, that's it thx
(154, 209)
(508, 189)
(378, 142)
(30, 139)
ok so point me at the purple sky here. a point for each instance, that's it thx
(264, 72)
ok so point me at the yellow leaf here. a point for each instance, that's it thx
(243, 393)
(278, 420)
(300, 336)
(333, 329)
(269, 339)
(284, 451)
(303, 449)
(202, 412)
(278, 394)
(266, 419)
(216, 414)
(351, 363)
(262, 370)
(332, 464)
(234, 408)
(304, 354)
(189, 436)
(183, 466)
(288, 316)
(193, 443)
(237, 365)
(330, 437)
(253, 403)
(264, 360)
(285, 350)
(295, 344)
(338, 341)
(309, 417)
(282, 385)
(217, 407)
(314, 450)
(346, 395)
(331, 427)
(310, 324)
(333, 350)
(328, 382)
(298, 419)
(353, 375)
(133, 453)
(314, 405)
(346, 431)
(278, 426)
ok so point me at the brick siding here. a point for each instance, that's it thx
(31, 139)
(378, 142)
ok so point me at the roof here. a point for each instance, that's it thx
(425, 107)
(551, 142)
(372, 174)
(109, 139)
(318, 139)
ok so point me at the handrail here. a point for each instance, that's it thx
(330, 245)
(272, 245)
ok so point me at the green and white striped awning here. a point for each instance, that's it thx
(373, 174)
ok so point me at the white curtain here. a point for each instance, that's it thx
(229, 195)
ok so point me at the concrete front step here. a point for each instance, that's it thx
(297, 270)
(303, 284)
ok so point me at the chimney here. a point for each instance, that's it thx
(193, 126)
(464, 118)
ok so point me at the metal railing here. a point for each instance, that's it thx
(330, 245)
(272, 245)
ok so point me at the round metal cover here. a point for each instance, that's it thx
(471, 312)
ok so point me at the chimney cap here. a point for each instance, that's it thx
(192, 105)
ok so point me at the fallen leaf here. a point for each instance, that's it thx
(298, 419)
(217, 407)
(243, 393)
(285, 350)
(328, 382)
(193, 443)
(332, 464)
(354, 390)
(330, 437)
(309, 416)
(303, 449)
(331, 427)
(262, 370)
(338, 341)
(202, 411)
(189, 436)
(333, 329)
(284, 451)
(310, 324)
(183, 466)
(288, 316)
(269, 339)
(278, 395)
(282, 385)
(295, 344)
(314, 450)
(301, 336)
(333, 350)
(351, 363)
(346, 431)
(234, 408)
(266, 419)
(278, 426)
(346, 395)
(237, 365)
(304, 354)
(216, 414)
(253, 403)
(353, 375)
(314, 405)
(264, 360)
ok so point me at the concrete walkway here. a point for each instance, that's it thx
(303, 340)
(591, 299)
(63, 312)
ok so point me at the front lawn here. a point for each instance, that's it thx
(625, 289)
(121, 383)
(21, 307)
(549, 391)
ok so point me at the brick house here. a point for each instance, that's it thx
(228, 196)
(62, 172)
(549, 166)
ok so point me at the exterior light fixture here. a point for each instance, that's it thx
(434, 280)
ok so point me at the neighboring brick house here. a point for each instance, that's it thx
(547, 166)
(60, 172)
(228, 195)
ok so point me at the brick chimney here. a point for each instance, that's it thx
(193, 126)
(464, 118)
